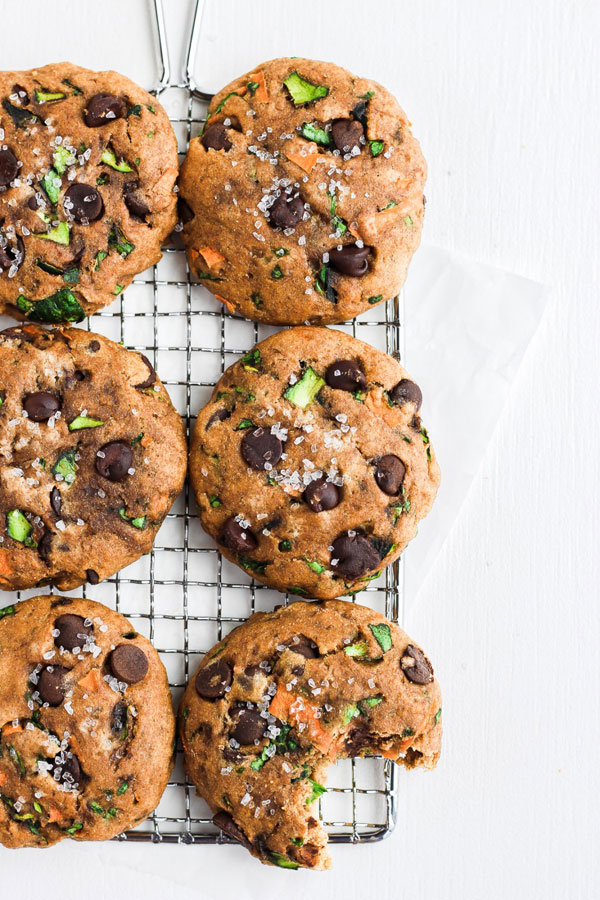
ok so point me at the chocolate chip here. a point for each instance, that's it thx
(346, 134)
(213, 680)
(94, 346)
(34, 204)
(236, 538)
(13, 256)
(286, 211)
(67, 767)
(8, 166)
(353, 555)
(44, 546)
(224, 821)
(23, 95)
(83, 202)
(345, 375)
(215, 138)
(128, 663)
(118, 717)
(250, 726)
(50, 685)
(416, 666)
(101, 109)
(407, 392)
(151, 379)
(322, 494)
(389, 474)
(219, 416)
(41, 406)
(92, 576)
(260, 448)
(350, 260)
(72, 631)
(185, 213)
(305, 647)
(115, 461)
(137, 208)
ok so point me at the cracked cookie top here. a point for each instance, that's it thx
(86, 723)
(88, 162)
(311, 464)
(302, 200)
(285, 695)
(92, 457)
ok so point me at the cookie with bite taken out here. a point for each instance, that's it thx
(287, 694)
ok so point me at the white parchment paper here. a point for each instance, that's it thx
(468, 326)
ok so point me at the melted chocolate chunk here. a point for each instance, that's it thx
(102, 109)
(115, 461)
(128, 663)
(416, 666)
(212, 681)
(236, 538)
(389, 474)
(345, 375)
(73, 632)
(322, 494)
(260, 449)
(353, 555)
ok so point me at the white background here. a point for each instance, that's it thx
(504, 97)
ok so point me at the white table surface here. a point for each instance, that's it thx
(504, 97)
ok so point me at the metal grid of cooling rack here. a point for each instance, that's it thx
(184, 596)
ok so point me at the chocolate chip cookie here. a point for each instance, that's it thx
(285, 695)
(302, 201)
(86, 723)
(88, 162)
(310, 463)
(92, 456)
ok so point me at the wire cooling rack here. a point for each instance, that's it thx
(184, 595)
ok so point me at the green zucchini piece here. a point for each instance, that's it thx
(352, 711)
(80, 422)
(48, 96)
(134, 111)
(376, 299)
(22, 118)
(59, 307)
(136, 521)
(108, 158)
(303, 393)
(60, 234)
(51, 182)
(382, 635)
(71, 276)
(284, 546)
(303, 91)
(314, 565)
(118, 242)
(318, 135)
(62, 159)
(253, 565)
(323, 284)
(372, 701)
(276, 273)
(76, 90)
(66, 466)
(244, 425)
(356, 651)
(19, 528)
(102, 179)
(376, 147)
(10, 611)
(48, 267)
(317, 791)
(100, 255)
(252, 360)
(278, 859)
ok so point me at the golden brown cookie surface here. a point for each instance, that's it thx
(285, 695)
(86, 723)
(310, 463)
(304, 194)
(88, 162)
(92, 457)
